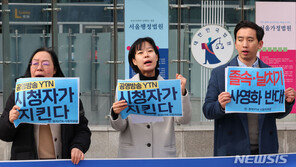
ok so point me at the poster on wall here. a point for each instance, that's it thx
(279, 42)
(212, 46)
(147, 19)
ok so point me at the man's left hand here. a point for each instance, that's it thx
(76, 156)
(290, 94)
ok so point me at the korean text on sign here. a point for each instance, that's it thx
(255, 90)
(47, 100)
(151, 98)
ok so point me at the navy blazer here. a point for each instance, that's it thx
(231, 130)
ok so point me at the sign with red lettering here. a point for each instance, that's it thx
(255, 90)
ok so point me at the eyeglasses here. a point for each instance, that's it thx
(45, 64)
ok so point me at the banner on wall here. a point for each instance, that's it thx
(279, 47)
(278, 160)
(255, 90)
(151, 98)
(147, 19)
(47, 100)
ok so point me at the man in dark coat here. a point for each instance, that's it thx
(240, 133)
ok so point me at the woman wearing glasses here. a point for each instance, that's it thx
(54, 141)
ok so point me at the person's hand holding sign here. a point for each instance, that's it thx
(290, 95)
(183, 83)
(76, 156)
(224, 98)
(14, 113)
(119, 106)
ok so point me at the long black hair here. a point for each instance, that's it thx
(137, 45)
(54, 59)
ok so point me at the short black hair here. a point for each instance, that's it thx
(54, 59)
(248, 24)
(137, 45)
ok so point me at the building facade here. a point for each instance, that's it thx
(82, 33)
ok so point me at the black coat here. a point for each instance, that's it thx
(23, 141)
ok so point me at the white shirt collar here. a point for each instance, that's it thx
(241, 64)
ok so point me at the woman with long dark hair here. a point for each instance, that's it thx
(54, 141)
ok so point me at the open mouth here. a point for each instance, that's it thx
(39, 76)
(245, 52)
(147, 62)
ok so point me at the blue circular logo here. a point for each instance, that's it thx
(212, 46)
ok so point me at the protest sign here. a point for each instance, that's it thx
(255, 90)
(47, 100)
(151, 98)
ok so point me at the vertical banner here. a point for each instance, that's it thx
(147, 19)
(279, 48)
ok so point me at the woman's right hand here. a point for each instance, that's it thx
(14, 113)
(119, 106)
